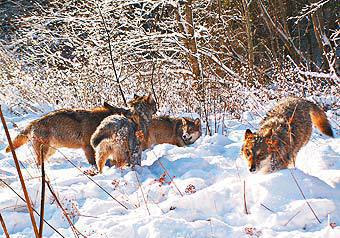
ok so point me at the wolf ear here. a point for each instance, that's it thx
(135, 96)
(110, 107)
(184, 121)
(197, 122)
(149, 98)
(248, 134)
(107, 105)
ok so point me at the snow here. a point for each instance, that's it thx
(213, 207)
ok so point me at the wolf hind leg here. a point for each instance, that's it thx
(102, 154)
(42, 152)
(89, 154)
(49, 152)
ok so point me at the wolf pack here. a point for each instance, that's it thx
(116, 136)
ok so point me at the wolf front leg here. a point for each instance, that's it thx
(136, 159)
(136, 155)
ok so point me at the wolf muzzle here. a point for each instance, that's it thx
(186, 137)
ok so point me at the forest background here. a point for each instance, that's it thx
(217, 58)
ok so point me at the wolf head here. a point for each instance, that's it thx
(191, 130)
(142, 108)
(259, 151)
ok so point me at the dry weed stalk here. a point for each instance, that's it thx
(76, 232)
(267, 208)
(53, 228)
(304, 197)
(244, 197)
(42, 201)
(290, 219)
(141, 189)
(68, 160)
(118, 187)
(23, 185)
(167, 173)
(291, 172)
(4, 226)
(111, 55)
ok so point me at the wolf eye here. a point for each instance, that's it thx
(247, 153)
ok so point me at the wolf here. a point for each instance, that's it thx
(71, 128)
(176, 131)
(119, 137)
(285, 129)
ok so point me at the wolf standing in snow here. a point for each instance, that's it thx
(176, 131)
(286, 128)
(71, 128)
(119, 137)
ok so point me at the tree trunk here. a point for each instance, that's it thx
(283, 13)
(278, 29)
(246, 17)
(326, 50)
(186, 27)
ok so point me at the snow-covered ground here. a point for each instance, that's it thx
(205, 198)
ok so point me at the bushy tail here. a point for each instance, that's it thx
(97, 138)
(21, 139)
(319, 120)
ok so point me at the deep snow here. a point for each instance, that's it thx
(210, 175)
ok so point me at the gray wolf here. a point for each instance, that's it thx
(71, 128)
(176, 131)
(119, 137)
(284, 130)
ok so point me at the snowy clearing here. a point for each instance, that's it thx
(210, 176)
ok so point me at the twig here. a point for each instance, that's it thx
(172, 181)
(67, 159)
(33, 208)
(267, 208)
(152, 85)
(111, 55)
(74, 229)
(42, 200)
(90, 178)
(4, 226)
(244, 197)
(167, 173)
(290, 121)
(303, 195)
(307, 10)
(154, 202)
(27, 198)
(290, 219)
(211, 228)
(146, 204)
(244, 189)
(23, 166)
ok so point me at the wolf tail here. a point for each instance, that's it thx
(21, 139)
(319, 120)
(97, 138)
